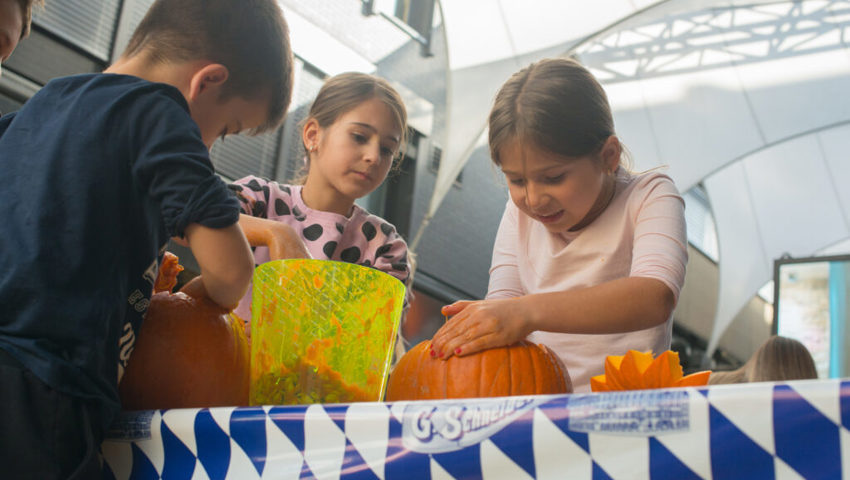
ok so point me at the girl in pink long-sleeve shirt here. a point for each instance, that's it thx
(354, 131)
(589, 258)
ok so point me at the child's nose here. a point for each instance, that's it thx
(534, 195)
(373, 152)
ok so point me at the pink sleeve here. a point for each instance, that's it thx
(392, 258)
(504, 272)
(660, 240)
(253, 195)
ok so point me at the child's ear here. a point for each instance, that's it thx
(310, 134)
(611, 153)
(208, 78)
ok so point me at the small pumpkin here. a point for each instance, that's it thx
(524, 368)
(638, 371)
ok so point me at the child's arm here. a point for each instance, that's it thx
(280, 238)
(225, 260)
(621, 305)
(644, 299)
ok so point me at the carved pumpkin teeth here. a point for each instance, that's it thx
(638, 370)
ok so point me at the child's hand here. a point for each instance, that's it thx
(280, 238)
(479, 325)
(285, 243)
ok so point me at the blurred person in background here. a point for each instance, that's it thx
(777, 359)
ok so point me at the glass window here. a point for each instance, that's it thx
(86, 24)
(700, 222)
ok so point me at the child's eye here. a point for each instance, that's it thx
(555, 179)
(387, 152)
(516, 181)
(359, 138)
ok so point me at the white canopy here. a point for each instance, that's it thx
(749, 98)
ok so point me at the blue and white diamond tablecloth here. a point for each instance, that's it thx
(763, 430)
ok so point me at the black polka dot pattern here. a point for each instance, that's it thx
(350, 255)
(255, 186)
(298, 214)
(369, 231)
(281, 208)
(399, 266)
(313, 232)
(383, 249)
(329, 249)
(387, 229)
(340, 227)
(285, 189)
(259, 209)
(367, 263)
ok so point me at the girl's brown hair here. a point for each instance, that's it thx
(555, 104)
(26, 14)
(778, 358)
(345, 91)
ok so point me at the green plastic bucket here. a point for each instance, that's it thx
(322, 332)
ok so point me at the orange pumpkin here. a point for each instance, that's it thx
(189, 353)
(524, 368)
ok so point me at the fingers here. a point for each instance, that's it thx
(468, 344)
(452, 328)
(478, 344)
(456, 307)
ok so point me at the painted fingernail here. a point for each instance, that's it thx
(457, 351)
(440, 355)
(433, 353)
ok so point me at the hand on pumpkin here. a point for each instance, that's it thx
(479, 325)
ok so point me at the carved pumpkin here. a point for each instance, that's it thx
(638, 370)
(524, 368)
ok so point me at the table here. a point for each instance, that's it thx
(761, 430)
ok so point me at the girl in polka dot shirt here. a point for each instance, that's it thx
(354, 131)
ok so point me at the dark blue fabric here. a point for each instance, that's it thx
(98, 171)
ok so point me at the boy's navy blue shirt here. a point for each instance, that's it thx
(98, 172)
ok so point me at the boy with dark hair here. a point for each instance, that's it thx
(15, 20)
(99, 171)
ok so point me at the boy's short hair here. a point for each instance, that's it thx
(26, 14)
(249, 37)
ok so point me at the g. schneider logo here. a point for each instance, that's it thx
(448, 426)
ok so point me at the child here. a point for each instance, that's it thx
(355, 128)
(15, 19)
(99, 170)
(589, 259)
(777, 359)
